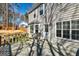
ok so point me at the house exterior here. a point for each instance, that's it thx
(36, 18)
(61, 23)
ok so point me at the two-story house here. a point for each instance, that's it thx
(36, 18)
(60, 21)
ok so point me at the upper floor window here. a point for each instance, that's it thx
(34, 15)
(41, 9)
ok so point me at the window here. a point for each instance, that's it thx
(46, 31)
(58, 34)
(41, 12)
(58, 26)
(34, 15)
(66, 25)
(41, 9)
(31, 28)
(75, 29)
(46, 28)
(75, 34)
(66, 29)
(36, 28)
(66, 34)
(75, 24)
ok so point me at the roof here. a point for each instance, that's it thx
(35, 6)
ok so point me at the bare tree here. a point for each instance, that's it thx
(12, 7)
(52, 13)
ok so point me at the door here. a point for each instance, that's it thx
(36, 28)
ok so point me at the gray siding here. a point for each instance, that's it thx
(60, 12)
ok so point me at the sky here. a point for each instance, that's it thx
(24, 7)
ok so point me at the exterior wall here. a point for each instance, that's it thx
(39, 18)
(60, 12)
(31, 19)
(67, 13)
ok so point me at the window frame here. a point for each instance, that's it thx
(62, 29)
(31, 28)
(46, 28)
(65, 29)
(58, 29)
(74, 29)
(70, 39)
(37, 29)
(41, 10)
(34, 15)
